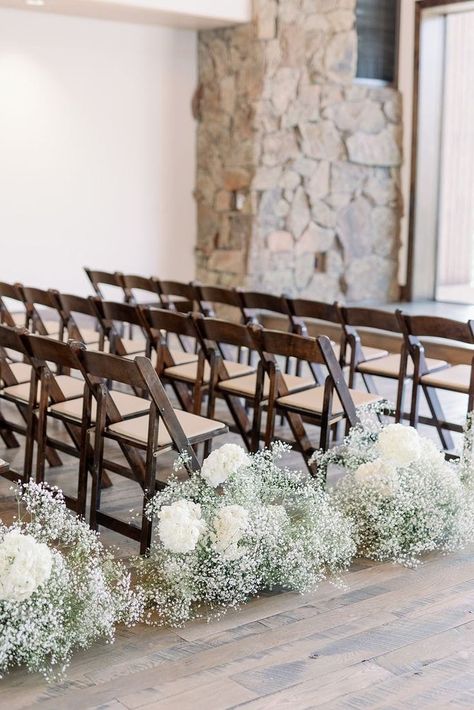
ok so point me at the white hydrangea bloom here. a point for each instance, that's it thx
(230, 524)
(25, 565)
(223, 463)
(399, 444)
(180, 525)
(380, 472)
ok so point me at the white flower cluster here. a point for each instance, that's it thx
(25, 565)
(243, 525)
(404, 498)
(180, 525)
(223, 463)
(59, 588)
(230, 525)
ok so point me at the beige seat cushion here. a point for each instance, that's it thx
(312, 400)
(21, 370)
(456, 378)
(71, 387)
(194, 427)
(89, 336)
(52, 327)
(373, 353)
(19, 319)
(127, 404)
(245, 386)
(188, 372)
(180, 357)
(389, 366)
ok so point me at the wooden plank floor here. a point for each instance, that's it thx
(390, 638)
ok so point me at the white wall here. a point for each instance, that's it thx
(97, 149)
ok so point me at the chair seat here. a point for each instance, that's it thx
(71, 387)
(245, 386)
(389, 366)
(188, 372)
(180, 357)
(136, 346)
(21, 370)
(19, 319)
(194, 426)
(127, 404)
(373, 353)
(52, 327)
(312, 401)
(89, 336)
(456, 378)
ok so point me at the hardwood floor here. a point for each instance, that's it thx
(390, 638)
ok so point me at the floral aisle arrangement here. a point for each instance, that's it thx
(244, 524)
(405, 499)
(59, 588)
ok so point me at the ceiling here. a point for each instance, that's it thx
(186, 14)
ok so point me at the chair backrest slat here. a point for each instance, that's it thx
(314, 310)
(369, 318)
(107, 278)
(437, 327)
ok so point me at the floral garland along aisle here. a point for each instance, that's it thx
(59, 588)
(243, 525)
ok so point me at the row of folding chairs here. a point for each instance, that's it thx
(93, 407)
(404, 363)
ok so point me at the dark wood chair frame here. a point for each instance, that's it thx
(159, 324)
(177, 295)
(99, 368)
(415, 328)
(72, 306)
(313, 351)
(302, 311)
(355, 317)
(12, 292)
(106, 278)
(216, 337)
(34, 297)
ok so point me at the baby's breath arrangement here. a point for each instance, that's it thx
(405, 499)
(243, 525)
(59, 588)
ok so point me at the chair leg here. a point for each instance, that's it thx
(84, 462)
(369, 383)
(41, 430)
(9, 438)
(438, 416)
(97, 467)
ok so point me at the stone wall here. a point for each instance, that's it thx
(298, 165)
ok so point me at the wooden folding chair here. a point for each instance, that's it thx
(389, 365)
(80, 318)
(256, 306)
(217, 301)
(431, 375)
(140, 289)
(98, 279)
(10, 376)
(62, 399)
(184, 369)
(177, 296)
(12, 305)
(162, 429)
(43, 312)
(117, 318)
(27, 395)
(323, 406)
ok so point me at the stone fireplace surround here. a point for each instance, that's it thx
(298, 165)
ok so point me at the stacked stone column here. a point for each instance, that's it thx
(298, 164)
